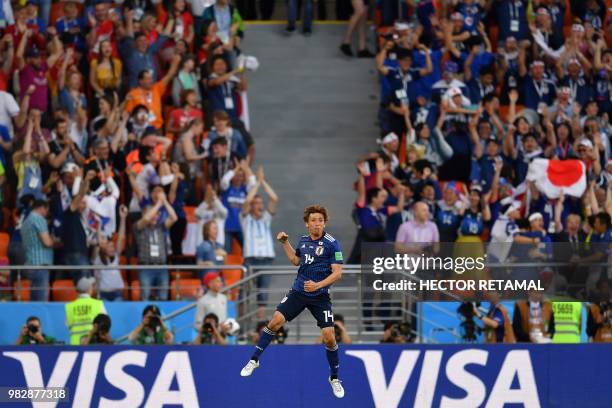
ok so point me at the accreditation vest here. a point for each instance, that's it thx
(79, 316)
(568, 317)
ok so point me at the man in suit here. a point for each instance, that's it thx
(570, 247)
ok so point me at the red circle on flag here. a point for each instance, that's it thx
(564, 173)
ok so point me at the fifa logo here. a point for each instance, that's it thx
(308, 259)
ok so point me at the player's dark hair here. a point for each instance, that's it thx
(315, 209)
(372, 193)
(32, 319)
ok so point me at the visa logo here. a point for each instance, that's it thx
(176, 364)
(517, 363)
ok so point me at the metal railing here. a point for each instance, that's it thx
(67, 268)
(348, 298)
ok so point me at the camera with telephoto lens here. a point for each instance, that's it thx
(469, 329)
(401, 330)
(154, 322)
(207, 328)
(32, 328)
(281, 335)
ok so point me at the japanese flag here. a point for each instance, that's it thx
(552, 176)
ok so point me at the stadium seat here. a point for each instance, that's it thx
(190, 214)
(22, 294)
(63, 290)
(4, 243)
(234, 259)
(236, 247)
(185, 289)
(135, 290)
(183, 275)
(231, 276)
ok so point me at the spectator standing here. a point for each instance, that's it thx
(80, 313)
(223, 86)
(223, 129)
(32, 333)
(151, 241)
(109, 281)
(209, 251)
(211, 209)
(256, 224)
(74, 236)
(38, 245)
(212, 302)
(235, 185)
(150, 93)
(420, 231)
(139, 55)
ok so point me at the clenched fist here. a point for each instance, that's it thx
(282, 237)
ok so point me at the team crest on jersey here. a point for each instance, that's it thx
(319, 251)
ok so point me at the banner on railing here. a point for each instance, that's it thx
(373, 376)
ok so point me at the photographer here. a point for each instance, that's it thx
(152, 329)
(341, 332)
(100, 331)
(210, 333)
(398, 333)
(32, 333)
(498, 327)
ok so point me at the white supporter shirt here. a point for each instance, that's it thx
(8, 110)
(108, 280)
(211, 303)
(502, 236)
(258, 242)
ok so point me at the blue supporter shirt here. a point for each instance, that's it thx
(233, 198)
(6, 137)
(472, 14)
(496, 314)
(512, 19)
(316, 258)
(534, 92)
(472, 223)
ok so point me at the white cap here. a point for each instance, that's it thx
(84, 285)
(535, 216)
(516, 205)
(586, 143)
(454, 91)
(400, 26)
(391, 137)
(69, 167)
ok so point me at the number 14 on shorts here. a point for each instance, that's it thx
(329, 316)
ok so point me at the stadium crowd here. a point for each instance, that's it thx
(472, 94)
(122, 123)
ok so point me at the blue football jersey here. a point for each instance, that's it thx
(316, 259)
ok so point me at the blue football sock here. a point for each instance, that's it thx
(264, 339)
(334, 362)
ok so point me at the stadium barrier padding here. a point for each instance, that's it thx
(125, 317)
(450, 320)
(296, 376)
